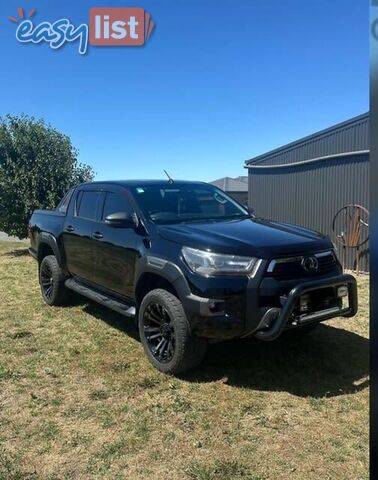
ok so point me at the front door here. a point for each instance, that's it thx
(115, 249)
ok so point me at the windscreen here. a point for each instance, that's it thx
(186, 203)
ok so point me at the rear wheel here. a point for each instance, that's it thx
(165, 334)
(51, 280)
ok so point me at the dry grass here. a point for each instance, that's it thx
(78, 399)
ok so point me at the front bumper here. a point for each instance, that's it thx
(284, 318)
(209, 319)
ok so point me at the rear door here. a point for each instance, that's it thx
(115, 249)
(78, 230)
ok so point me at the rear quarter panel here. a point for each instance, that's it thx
(44, 224)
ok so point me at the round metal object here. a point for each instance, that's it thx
(350, 226)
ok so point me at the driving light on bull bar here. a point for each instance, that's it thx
(304, 303)
(342, 291)
(207, 263)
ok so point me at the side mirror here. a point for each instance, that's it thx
(120, 220)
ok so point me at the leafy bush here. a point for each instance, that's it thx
(38, 165)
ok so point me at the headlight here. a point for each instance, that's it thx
(207, 263)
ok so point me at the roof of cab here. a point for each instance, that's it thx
(138, 183)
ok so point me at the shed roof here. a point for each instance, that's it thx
(349, 136)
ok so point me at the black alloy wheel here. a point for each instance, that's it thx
(47, 280)
(52, 282)
(166, 335)
(159, 332)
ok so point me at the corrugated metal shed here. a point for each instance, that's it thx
(236, 187)
(349, 136)
(228, 184)
(308, 181)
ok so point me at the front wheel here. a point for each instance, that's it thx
(165, 334)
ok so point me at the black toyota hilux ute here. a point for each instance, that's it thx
(189, 263)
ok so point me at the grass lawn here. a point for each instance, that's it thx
(78, 399)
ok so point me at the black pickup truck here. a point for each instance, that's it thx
(189, 263)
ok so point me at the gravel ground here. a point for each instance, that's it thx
(5, 237)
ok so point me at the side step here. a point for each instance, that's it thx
(109, 302)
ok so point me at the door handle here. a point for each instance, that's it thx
(97, 235)
(70, 228)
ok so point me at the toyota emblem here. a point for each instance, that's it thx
(310, 264)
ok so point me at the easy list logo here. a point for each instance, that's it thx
(107, 27)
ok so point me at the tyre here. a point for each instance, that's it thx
(51, 280)
(165, 334)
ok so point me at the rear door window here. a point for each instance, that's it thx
(86, 206)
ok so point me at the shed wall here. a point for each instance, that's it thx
(311, 194)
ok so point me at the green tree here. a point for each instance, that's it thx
(38, 165)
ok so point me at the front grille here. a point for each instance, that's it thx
(291, 268)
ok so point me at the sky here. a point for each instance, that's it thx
(218, 82)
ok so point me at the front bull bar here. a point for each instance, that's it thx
(282, 316)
